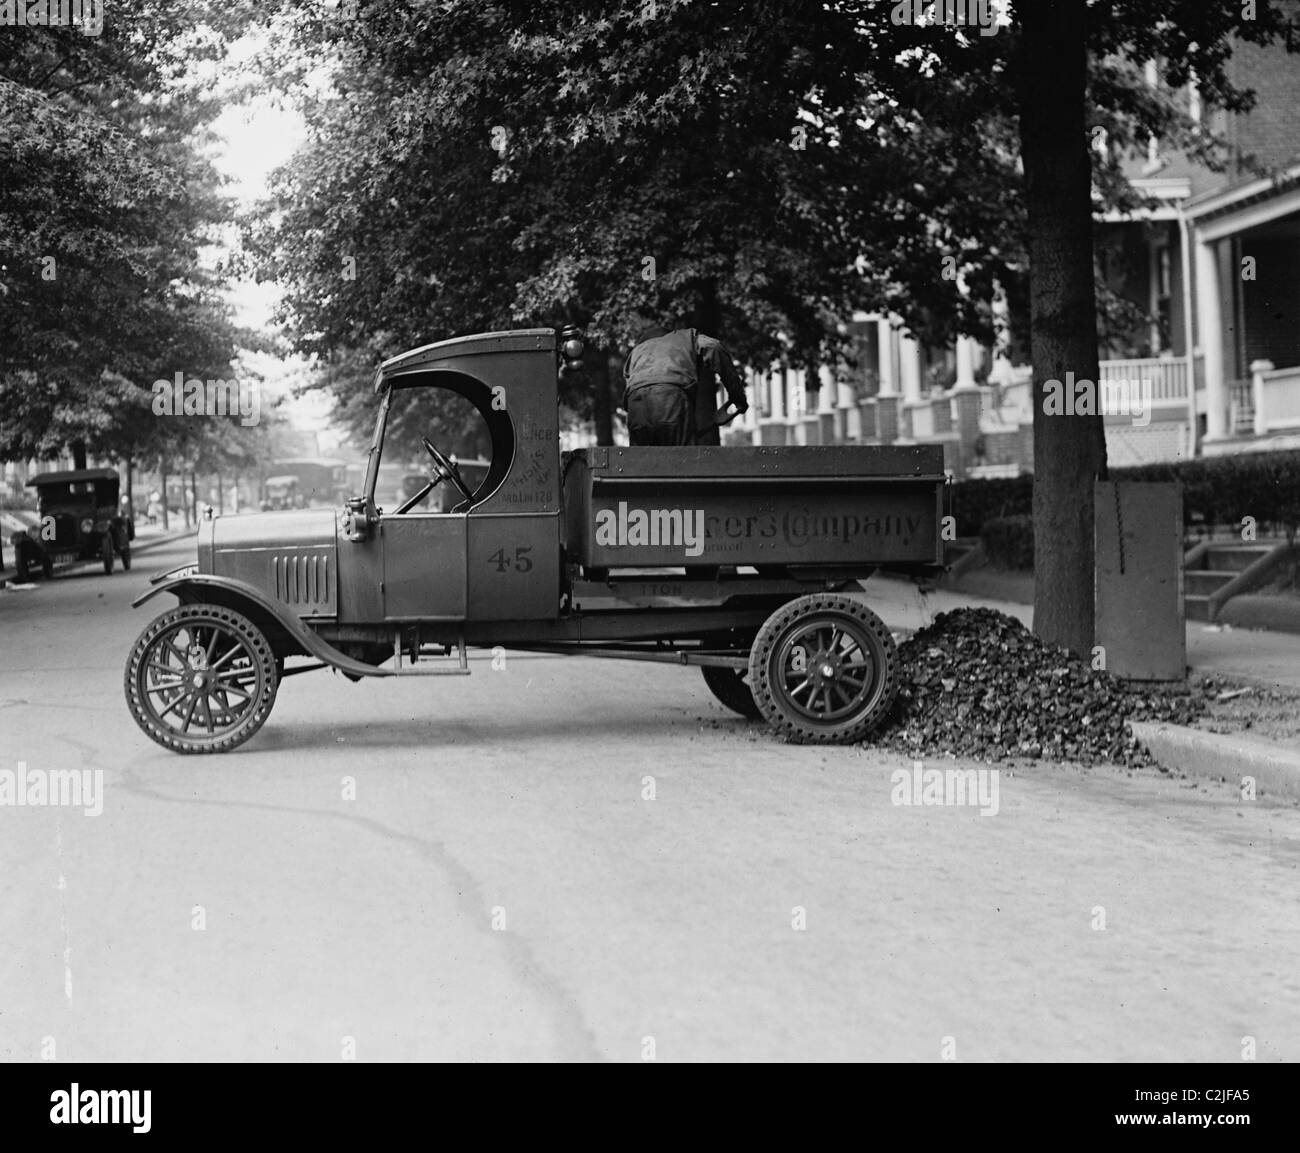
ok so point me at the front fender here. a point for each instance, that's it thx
(233, 590)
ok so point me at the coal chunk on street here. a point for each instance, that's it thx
(977, 683)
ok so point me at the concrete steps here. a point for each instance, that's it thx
(1215, 567)
(1203, 582)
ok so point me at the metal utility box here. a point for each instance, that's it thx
(1141, 624)
(819, 506)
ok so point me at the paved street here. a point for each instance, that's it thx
(501, 888)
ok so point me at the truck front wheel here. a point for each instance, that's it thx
(201, 679)
(823, 669)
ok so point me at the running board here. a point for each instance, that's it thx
(410, 670)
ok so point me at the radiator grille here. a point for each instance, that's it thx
(302, 578)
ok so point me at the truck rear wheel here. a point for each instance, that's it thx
(201, 679)
(823, 669)
(731, 687)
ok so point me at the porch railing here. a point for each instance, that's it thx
(1277, 399)
(1168, 376)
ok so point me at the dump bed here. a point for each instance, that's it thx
(841, 506)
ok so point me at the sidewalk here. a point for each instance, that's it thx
(147, 537)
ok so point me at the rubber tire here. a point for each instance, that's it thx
(22, 573)
(126, 558)
(258, 645)
(47, 567)
(767, 645)
(106, 550)
(729, 686)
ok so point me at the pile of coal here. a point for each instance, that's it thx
(978, 684)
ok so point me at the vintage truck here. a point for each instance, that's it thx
(734, 559)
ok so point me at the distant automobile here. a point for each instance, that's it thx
(280, 492)
(321, 482)
(78, 518)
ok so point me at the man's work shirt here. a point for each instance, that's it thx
(693, 362)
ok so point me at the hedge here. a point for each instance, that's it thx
(1009, 541)
(972, 502)
(1218, 490)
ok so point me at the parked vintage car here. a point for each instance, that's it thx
(78, 518)
(734, 559)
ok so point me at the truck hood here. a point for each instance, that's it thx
(289, 556)
(289, 529)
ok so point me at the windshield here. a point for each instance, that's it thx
(400, 467)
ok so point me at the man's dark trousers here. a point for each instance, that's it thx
(659, 414)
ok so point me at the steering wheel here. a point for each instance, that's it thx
(446, 468)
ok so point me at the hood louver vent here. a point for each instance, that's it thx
(303, 579)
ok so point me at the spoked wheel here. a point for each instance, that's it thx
(201, 679)
(106, 551)
(731, 687)
(823, 669)
(124, 551)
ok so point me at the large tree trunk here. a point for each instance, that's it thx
(78, 453)
(708, 315)
(1069, 450)
(603, 402)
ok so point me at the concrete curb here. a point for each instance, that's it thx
(1276, 770)
(7, 575)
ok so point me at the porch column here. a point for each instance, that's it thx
(774, 431)
(909, 358)
(1257, 370)
(909, 369)
(1210, 321)
(965, 362)
(1000, 371)
(885, 345)
(831, 431)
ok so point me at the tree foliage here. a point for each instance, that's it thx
(107, 201)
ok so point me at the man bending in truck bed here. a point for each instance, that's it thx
(672, 387)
